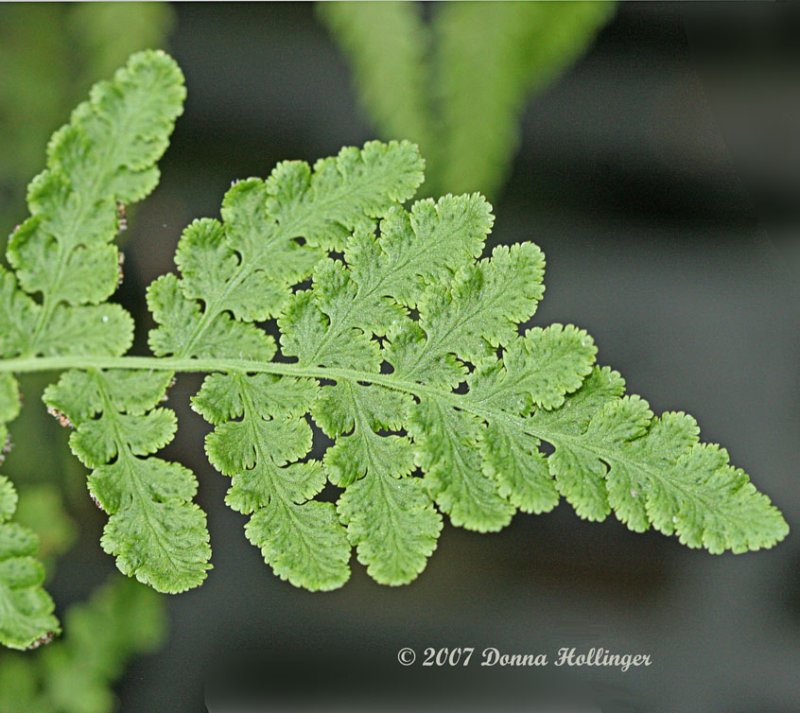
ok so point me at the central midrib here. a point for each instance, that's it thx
(184, 365)
(207, 365)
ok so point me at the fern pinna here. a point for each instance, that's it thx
(405, 348)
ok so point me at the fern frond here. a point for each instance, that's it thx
(407, 351)
(51, 54)
(104, 157)
(399, 338)
(26, 609)
(612, 453)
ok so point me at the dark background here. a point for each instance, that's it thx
(660, 176)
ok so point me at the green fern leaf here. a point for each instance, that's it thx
(389, 516)
(300, 539)
(611, 453)
(408, 354)
(104, 157)
(17, 313)
(523, 47)
(398, 339)
(9, 410)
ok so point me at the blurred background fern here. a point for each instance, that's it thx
(455, 77)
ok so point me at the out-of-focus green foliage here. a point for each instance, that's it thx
(388, 46)
(75, 674)
(40, 509)
(458, 84)
(26, 609)
(46, 478)
(109, 32)
(49, 55)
